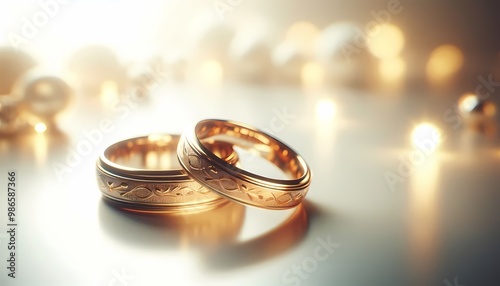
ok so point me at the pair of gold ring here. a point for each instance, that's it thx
(200, 169)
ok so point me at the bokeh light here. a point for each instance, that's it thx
(312, 74)
(467, 102)
(392, 70)
(426, 137)
(385, 41)
(40, 127)
(303, 35)
(211, 72)
(489, 109)
(470, 102)
(325, 110)
(445, 61)
(109, 93)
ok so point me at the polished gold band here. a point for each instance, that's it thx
(235, 183)
(144, 173)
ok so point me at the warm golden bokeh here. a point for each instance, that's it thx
(467, 102)
(428, 134)
(392, 70)
(444, 63)
(40, 127)
(385, 41)
(211, 72)
(109, 93)
(312, 74)
(303, 35)
(325, 110)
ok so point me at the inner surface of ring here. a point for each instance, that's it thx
(158, 152)
(153, 152)
(267, 147)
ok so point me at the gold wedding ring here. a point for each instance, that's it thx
(143, 173)
(234, 183)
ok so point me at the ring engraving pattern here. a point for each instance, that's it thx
(203, 170)
(161, 193)
(141, 186)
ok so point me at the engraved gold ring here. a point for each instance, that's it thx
(143, 173)
(237, 184)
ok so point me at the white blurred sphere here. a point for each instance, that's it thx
(249, 56)
(175, 66)
(13, 63)
(208, 42)
(44, 95)
(93, 65)
(288, 61)
(304, 36)
(209, 38)
(343, 51)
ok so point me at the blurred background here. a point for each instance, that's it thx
(392, 103)
(366, 43)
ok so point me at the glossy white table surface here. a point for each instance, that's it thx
(437, 225)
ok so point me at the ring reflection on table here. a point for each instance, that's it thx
(282, 238)
(204, 228)
(144, 174)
